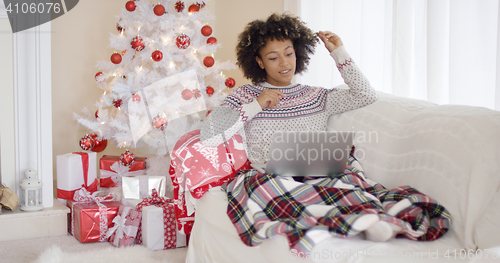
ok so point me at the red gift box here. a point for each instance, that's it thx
(92, 216)
(111, 170)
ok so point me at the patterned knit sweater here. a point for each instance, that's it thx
(304, 108)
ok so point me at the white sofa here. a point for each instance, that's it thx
(449, 152)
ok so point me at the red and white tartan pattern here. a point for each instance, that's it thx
(170, 232)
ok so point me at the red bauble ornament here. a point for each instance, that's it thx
(137, 43)
(118, 103)
(160, 122)
(182, 41)
(159, 10)
(127, 158)
(179, 6)
(206, 30)
(116, 58)
(210, 91)
(99, 76)
(187, 94)
(87, 142)
(193, 8)
(230, 82)
(136, 97)
(211, 40)
(119, 28)
(130, 6)
(96, 114)
(208, 61)
(157, 55)
(99, 145)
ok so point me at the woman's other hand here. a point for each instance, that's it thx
(331, 40)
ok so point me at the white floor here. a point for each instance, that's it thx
(28, 250)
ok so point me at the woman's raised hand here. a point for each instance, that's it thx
(331, 40)
(269, 98)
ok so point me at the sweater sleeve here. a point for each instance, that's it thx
(360, 92)
(228, 119)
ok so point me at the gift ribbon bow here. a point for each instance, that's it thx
(155, 200)
(65, 194)
(119, 170)
(120, 228)
(170, 229)
(84, 196)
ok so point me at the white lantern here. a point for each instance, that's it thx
(31, 192)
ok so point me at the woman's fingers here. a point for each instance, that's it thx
(331, 40)
(270, 98)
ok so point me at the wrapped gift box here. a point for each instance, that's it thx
(139, 187)
(111, 170)
(125, 226)
(90, 222)
(73, 171)
(159, 230)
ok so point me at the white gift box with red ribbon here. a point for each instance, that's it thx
(155, 219)
(75, 170)
(158, 228)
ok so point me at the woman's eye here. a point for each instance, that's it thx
(289, 54)
(272, 58)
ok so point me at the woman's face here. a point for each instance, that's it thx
(277, 57)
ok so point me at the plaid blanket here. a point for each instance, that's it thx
(262, 205)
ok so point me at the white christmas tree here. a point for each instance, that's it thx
(159, 46)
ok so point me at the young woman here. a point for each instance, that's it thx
(270, 53)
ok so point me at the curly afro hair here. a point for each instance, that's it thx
(277, 27)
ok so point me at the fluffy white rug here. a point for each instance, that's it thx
(111, 254)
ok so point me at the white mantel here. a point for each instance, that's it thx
(32, 108)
